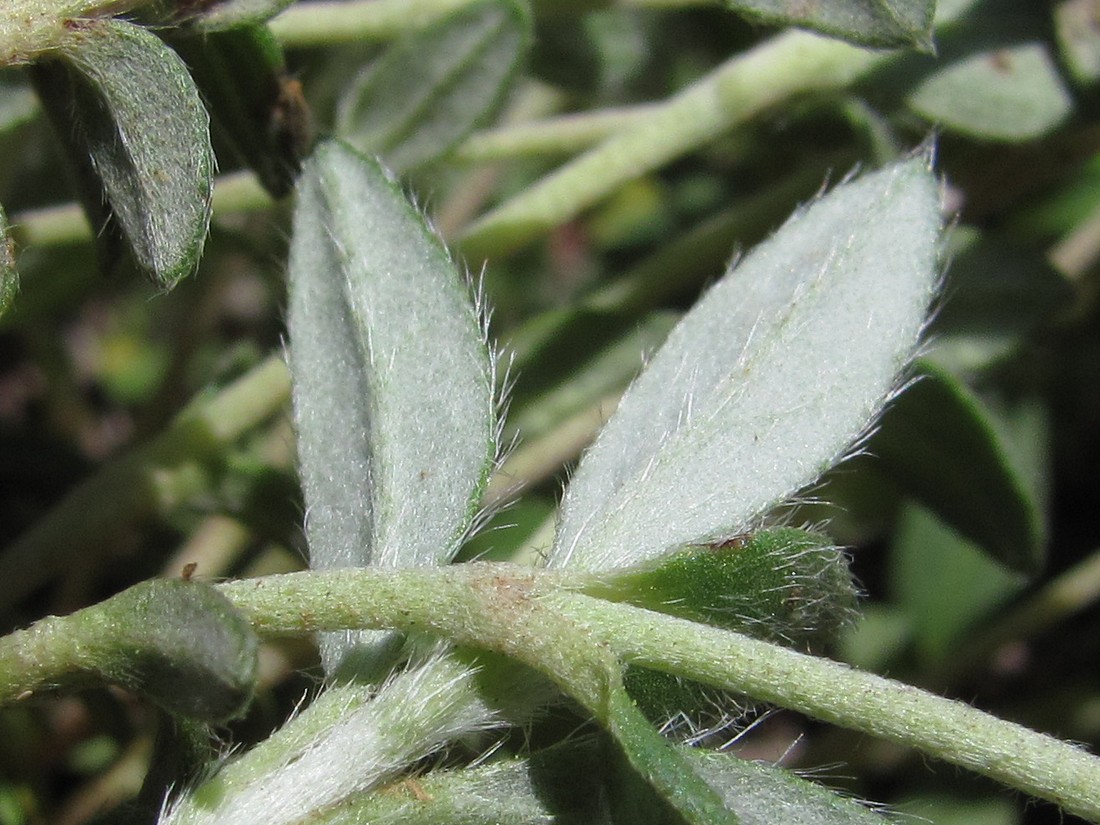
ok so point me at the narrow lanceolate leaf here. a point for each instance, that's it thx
(139, 117)
(346, 742)
(868, 22)
(763, 794)
(392, 376)
(767, 382)
(9, 276)
(436, 86)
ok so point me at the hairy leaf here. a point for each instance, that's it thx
(868, 22)
(436, 86)
(182, 643)
(139, 117)
(656, 783)
(9, 275)
(392, 377)
(763, 794)
(767, 381)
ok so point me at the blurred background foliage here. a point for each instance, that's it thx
(971, 510)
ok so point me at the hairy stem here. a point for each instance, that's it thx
(732, 94)
(505, 608)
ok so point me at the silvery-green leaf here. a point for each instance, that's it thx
(392, 377)
(869, 22)
(432, 88)
(9, 275)
(139, 117)
(767, 381)
(762, 794)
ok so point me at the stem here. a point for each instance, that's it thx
(30, 28)
(732, 94)
(523, 614)
(559, 135)
(336, 21)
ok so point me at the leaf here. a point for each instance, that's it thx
(181, 643)
(392, 377)
(943, 447)
(998, 294)
(254, 101)
(868, 22)
(659, 785)
(767, 381)
(993, 76)
(139, 117)
(1077, 28)
(9, 275)
(764, 794)
(944, 582)
(437, 85)
(782, 584)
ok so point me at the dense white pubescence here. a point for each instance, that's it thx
(767, 381)
(346, 742)
(393, 385)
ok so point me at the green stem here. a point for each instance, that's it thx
(566, 134)
(336, 21)
(30, 28)
(171, 468)
(738, 90)
(507, 609)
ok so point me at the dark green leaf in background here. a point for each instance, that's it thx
(993, 76)
(254, 102)
(437, 85)
(943, 582)
(868, 22)
(997, 295)
(138, 116)
(656, 784)
(943, 447)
